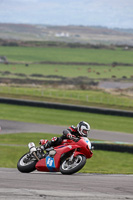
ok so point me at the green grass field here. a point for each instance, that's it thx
(92, 72)
(52, 54)
(58, 54)
(64, 117)
(31, 54)
(101, 162)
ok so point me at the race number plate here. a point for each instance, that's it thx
(50, 163)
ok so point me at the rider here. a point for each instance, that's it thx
(72, 132)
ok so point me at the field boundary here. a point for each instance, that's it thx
(97, 110)
(113, 64)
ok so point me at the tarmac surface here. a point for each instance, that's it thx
(22, 127)
(55, 186)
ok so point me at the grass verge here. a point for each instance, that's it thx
(96, 98)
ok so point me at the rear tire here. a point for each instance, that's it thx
(70, 168)
(26, 167)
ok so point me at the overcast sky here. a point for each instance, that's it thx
(109, 13)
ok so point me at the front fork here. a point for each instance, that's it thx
(72, 156)
(32, 149)
(35, 155)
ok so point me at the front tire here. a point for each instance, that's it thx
(70, 167)
(25, 164)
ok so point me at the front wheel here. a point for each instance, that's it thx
(70, 167)
(26, 163)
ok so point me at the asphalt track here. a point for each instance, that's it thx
(55, 186)
(21, 127)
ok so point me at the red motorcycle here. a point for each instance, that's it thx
(67, 158)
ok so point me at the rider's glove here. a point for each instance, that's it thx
(75, 139)
(42, 141)
(45, 146)
(69, 136)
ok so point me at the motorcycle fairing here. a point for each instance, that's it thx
(46, 164)
(52, 164)
(87, 141)
(84, 149)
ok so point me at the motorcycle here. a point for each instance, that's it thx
(67, 158)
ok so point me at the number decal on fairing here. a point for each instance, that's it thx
(50, 162)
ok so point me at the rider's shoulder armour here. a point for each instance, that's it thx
(73, 128)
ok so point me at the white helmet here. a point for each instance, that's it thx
(83, 128)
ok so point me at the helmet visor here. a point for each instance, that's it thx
(85, 132)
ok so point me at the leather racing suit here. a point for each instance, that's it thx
(55, 141)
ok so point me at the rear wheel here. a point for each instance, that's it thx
(26, 163)
(70, 167)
